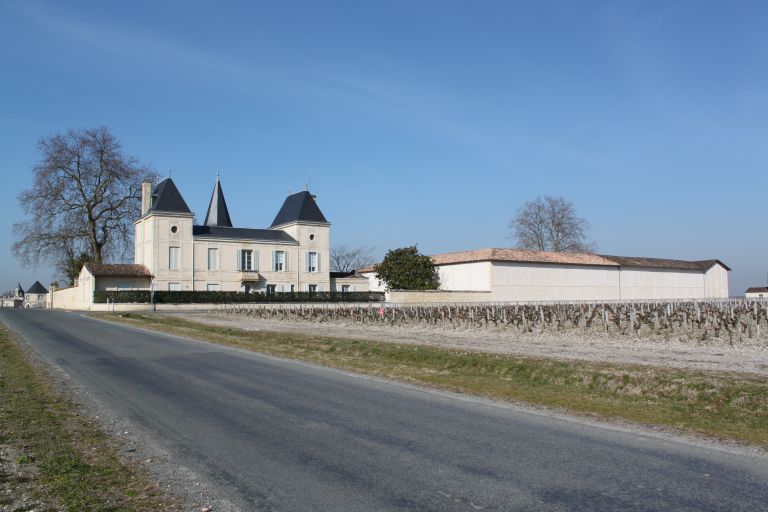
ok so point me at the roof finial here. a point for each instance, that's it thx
(289, 190)
(306, 186)
(169, 172)
(217, 175)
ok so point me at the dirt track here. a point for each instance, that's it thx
(716, 356)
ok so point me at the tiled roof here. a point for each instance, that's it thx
(299, 207)
(757, 289)
(563, 258)
(521, 256)
(118, 270)
(267, 235)
(167, 198)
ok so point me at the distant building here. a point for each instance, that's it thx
(101, 277)
(523, 276)
(757, 292)
(36, 296)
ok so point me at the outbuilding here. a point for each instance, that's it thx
(36, 296)
(503, 275)
(757, 292)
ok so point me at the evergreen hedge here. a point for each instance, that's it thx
(206, 297)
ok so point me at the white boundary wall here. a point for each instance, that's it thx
(533, 282)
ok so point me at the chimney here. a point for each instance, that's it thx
(146, 196)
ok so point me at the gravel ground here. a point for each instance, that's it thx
(17, 483)
(719, 355)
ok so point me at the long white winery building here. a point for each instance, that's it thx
(520, 276)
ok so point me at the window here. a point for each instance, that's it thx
(213, 259)
(213, 287)
(313, 260)
(292, 288)
(174, 229)
(247, 288)
(271, 289)
(312, 288)
(278, 260)
(174, 255)
(345, 288)
(246, 260)
(311, 237)
(174, 287)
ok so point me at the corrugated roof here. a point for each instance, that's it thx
(118, 270)
(299, 207)
(218, 213)
(167, 198)
(266, 235)
(37, 288)
(563, 258)
(634, 261)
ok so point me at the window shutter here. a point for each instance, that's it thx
(239, 254)
(274, 260)
(285, 260)
(256, 260)
(306, 267)
(318, 262)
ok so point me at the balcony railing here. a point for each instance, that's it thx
(249, 275)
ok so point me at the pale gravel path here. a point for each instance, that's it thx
(749, 357)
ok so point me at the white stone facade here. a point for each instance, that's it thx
(292, 255)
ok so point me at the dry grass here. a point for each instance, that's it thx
(77, 465)
(725, 405)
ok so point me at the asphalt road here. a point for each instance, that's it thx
(279, 435)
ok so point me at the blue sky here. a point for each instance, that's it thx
(416, 122)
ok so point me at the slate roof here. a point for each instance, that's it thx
(342, 275)
(218, 213)
(167, 198)
(37, 288)
(118, 270)
(563, 258)
(268, 235)
(757, 289)
(299, 207)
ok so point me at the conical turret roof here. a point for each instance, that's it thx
(218, 214)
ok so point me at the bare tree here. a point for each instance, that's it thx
(550, 224)
(346, 259)
(85, 196)
(70, 261)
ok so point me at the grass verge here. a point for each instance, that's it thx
(76, 465)
(725, 405)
